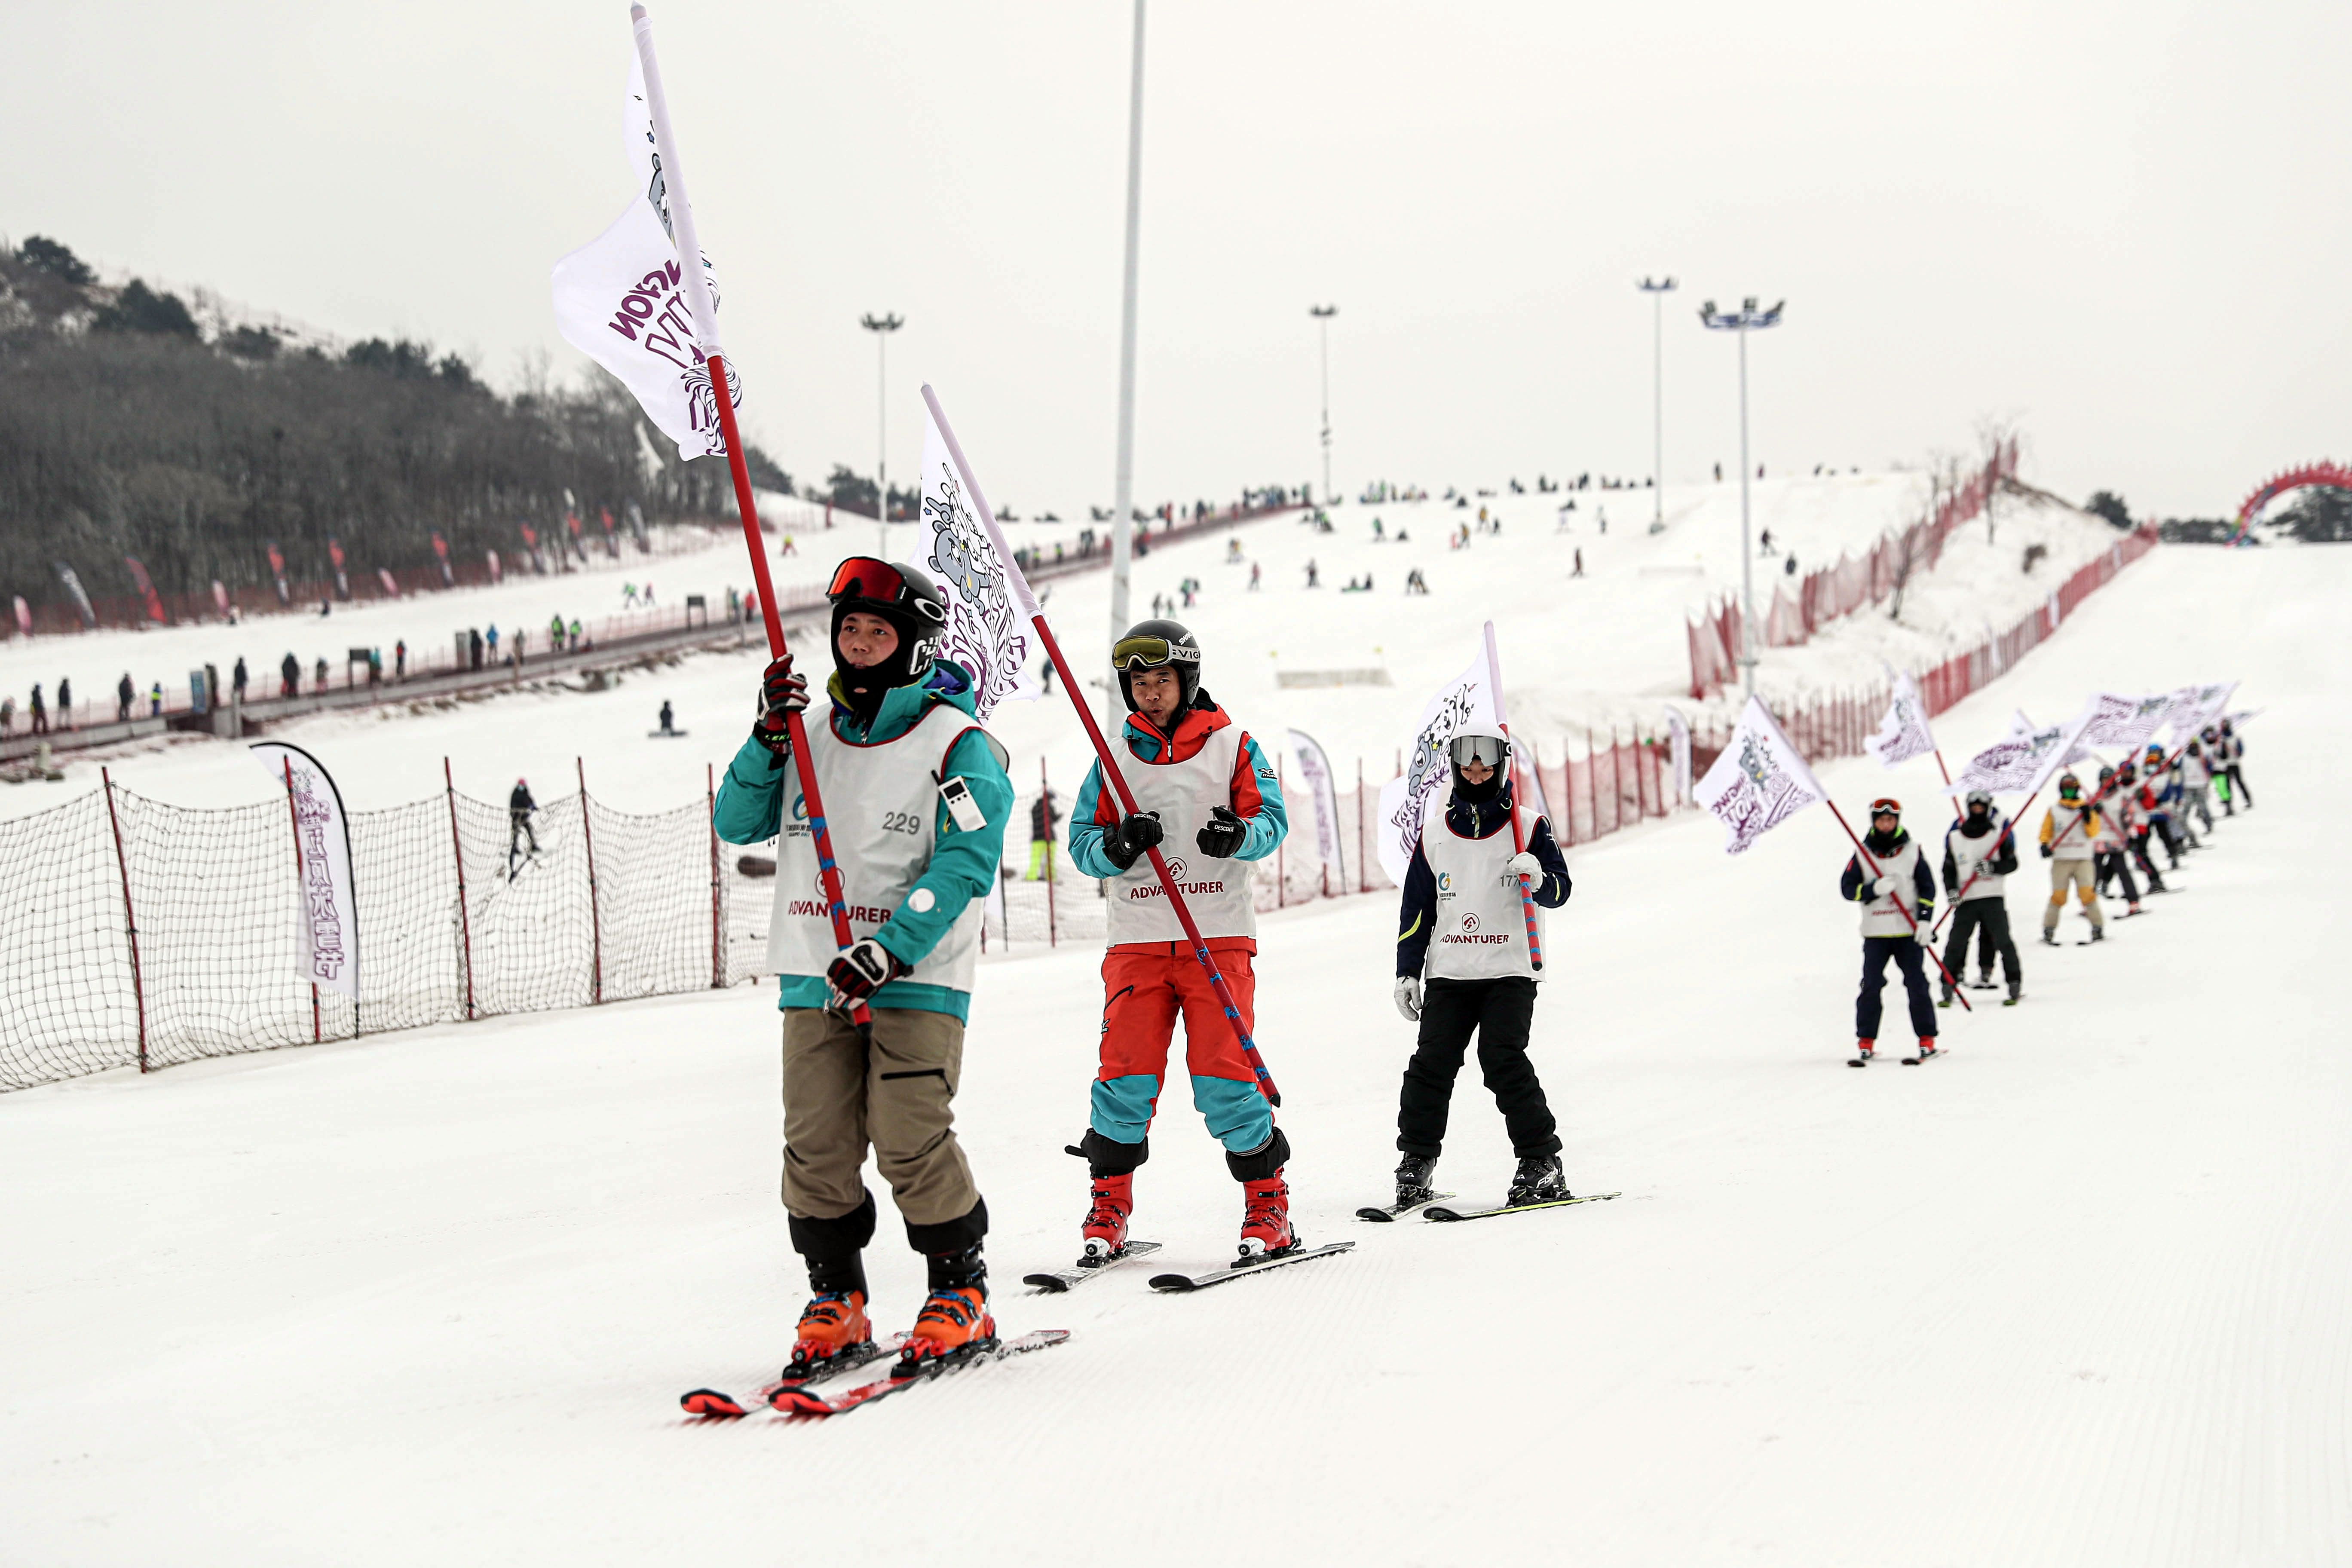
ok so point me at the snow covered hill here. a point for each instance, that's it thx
(1609, 647)
(2071, 1296)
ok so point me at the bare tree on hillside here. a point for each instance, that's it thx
(1994, 433)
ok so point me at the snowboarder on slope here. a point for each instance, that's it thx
(2067, 829)
(1462, 926)
(917, 850)
(1980, 845)
(1901, 875)
(1204, 789)
(668, 718)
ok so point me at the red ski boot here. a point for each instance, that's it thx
(1106, 1229)
(1265, 1218)
(1863, 1051)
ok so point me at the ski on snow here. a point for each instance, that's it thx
(1078, 1273)
(1928, 1054)
(800, 1402)
(1445, 1214)
(1246, 1268)
(1389, 1212)
(714, 1403)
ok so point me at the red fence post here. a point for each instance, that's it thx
(717, 947)
(130, 920)
(465, 915)
(1363, 871)
(595, 916)
(1592, 780)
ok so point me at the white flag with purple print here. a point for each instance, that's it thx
(329, 925)
(1903, 735)
(617, 300)
(1759, 782)
(988, 629)
(2194, 707)
(2125, 721)
(1322, 792)
(1468, 698)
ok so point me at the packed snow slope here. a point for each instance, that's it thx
(2073, 1295)
(1609, 647)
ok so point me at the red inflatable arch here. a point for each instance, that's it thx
(2332, 475)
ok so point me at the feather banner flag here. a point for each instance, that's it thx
(618, 300)
(1903, 735)
(1759, 782)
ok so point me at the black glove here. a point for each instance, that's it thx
(780, 692)
(1125, 843)
(1224, 835)
(862, 968)
(2046, 852)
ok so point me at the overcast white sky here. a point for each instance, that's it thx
(2124, 225)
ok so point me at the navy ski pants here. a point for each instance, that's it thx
(1906, 952)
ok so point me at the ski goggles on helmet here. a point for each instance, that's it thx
(873, 582)
(1488, 751)
(1982, 798)
(1151, 652)
(1887, 806)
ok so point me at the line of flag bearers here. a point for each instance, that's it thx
(919, 797)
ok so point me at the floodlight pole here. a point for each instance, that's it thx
(1657, 289)
(1123, 485)
(882, 326)
(1323, 314)
(1747, 319)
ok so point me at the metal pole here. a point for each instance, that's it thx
(882, 326)
(1323, 314)
(718, 948)
(1123, 486)
(1747, 553)
(1045, 795)
(1658, 406)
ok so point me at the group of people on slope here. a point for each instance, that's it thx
(916, 798)
(2090, 843)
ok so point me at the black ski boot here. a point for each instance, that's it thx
(2016, 993)
(1538, 1180)
(2098, 933)
(1412, 1180)
(2049, 937)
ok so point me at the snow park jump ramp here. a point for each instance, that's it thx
(2073, 1295)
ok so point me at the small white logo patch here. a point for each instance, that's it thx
(920, 900)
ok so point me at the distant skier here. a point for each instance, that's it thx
(1463, 968)
(2067, 830)
(2111, 844)
(40, 711)
(289, 675)
(1254, 577)
(2196, 780)
(668, 718)
(1201, 785)
(124, 695)
(2231, 754)
(520, 806)
(237, 680)
(1313, 579)
(65, 704)
(1981, 846)
(1043, 816)
(1903, 876)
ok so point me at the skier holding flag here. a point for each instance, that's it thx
(1465, 965)
(1980, 850)
(1204, 789)
(1889, 930)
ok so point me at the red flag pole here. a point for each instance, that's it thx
(706, 321)
(1901, 905)
(1519, 842)
(1103, 751)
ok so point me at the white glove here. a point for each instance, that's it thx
(1408, 997)
(1927, 935)
(1883, 885)
(1525, 864)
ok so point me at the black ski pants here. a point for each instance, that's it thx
(2115, 866)
(1912, 959)
(2139, 853)
(1988, 920)
(518, 829)
(2238, 790)
(1500, 1011)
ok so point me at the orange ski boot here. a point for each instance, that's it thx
(955, 1320)
(832, 1328)
(1863, 1051)
(1265, 1218)
(1105, 1231)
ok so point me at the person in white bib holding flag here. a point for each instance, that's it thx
(1979, 851)
(1900, 875)
(919, 798)
(1206, 795)
(1463, 967)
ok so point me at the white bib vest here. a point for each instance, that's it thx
(1884, 916)
(1970, 854)
(1217, 892)
(882, 805)
(2076, 842)
(1480, 929)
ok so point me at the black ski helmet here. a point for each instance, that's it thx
(1158, 645)
(901, 595)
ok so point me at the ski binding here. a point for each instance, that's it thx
(1446, 1214)
(1390, 1212)
(913, 1374)
(1246, 1267)
(1078, 1273)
